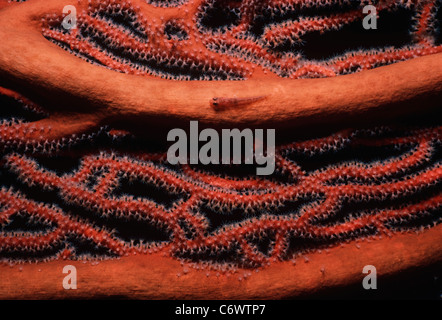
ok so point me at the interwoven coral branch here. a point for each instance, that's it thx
(173, 43)
(143, 45)
(326, 187)
(173, 40)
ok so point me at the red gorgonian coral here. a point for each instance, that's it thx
(85, 181)
(229, 40)
(298, 206)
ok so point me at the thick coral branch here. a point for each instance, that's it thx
(108, 96)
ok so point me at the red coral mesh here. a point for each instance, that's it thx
(324, 191)
(403, 190)
(220, 39)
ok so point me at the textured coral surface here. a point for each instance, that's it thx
(211, 40)
(72, 191)
(200, 215)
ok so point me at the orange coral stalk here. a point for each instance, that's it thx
(155, 276)
(126, 66)
(106, 97)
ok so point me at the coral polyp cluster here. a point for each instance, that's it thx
(214, 219)
(232, 40)
(83, 169)
(212, 40)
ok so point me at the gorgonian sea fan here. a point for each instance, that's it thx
(83, 178)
